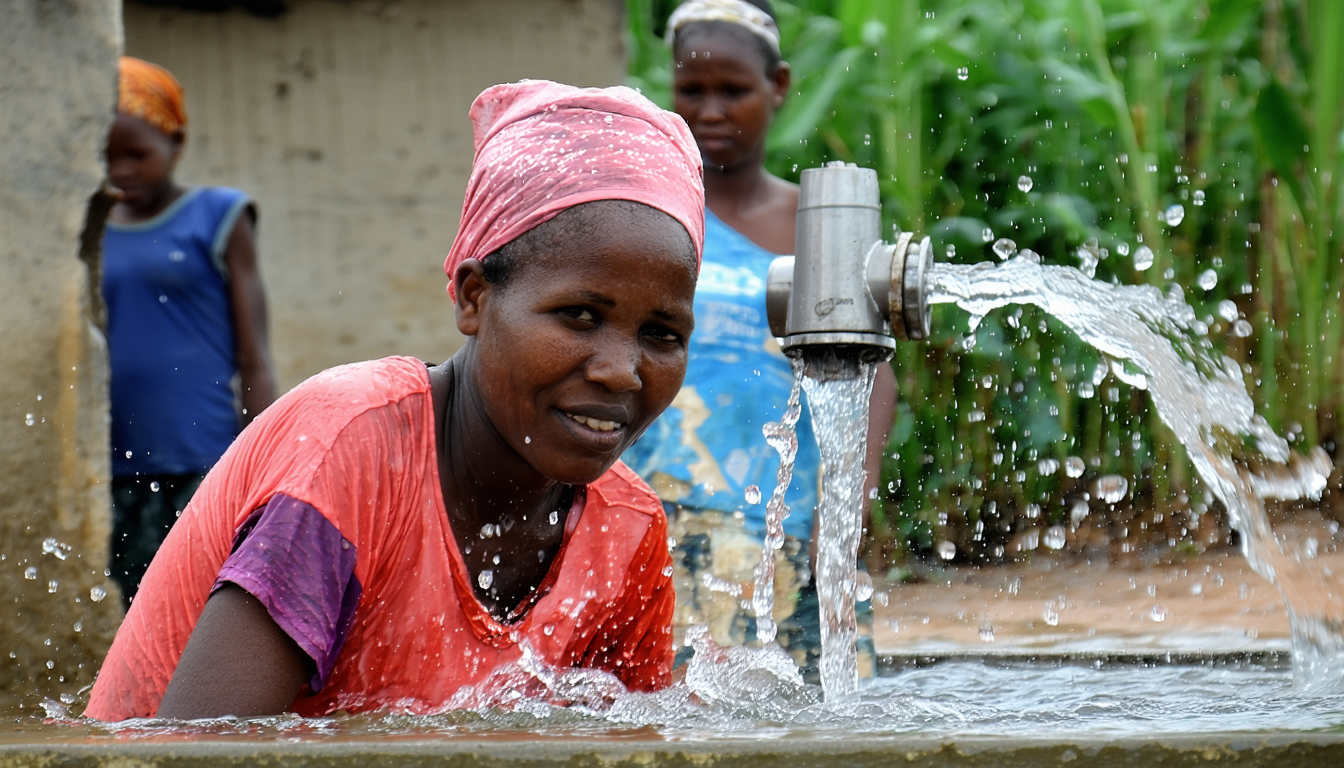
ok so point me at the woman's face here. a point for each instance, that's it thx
(722, 91)
(140, 160)
(584, 344)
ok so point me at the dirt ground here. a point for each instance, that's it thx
(1210, 605)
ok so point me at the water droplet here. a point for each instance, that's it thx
(872, 494)
(527, 439)
(1086, 389)
(495, 559)
(951, 252)
(487, 531)
(1051, 616)
(863, 586)
(882, 598)
(1111, 488)
(986, 633)
(1227, 309)
(485, 578)
(79, 625)
(50, 546)
(52, 585)
(548, 630)
(1087, 262)
(667, 571)
(1199, 197)
(29, 419)
(752, 494)
(30, 573)
(97, 594)
(1122, 248)
(1208, 279)
(67, 698)
(177, 256)
(963, 73)
(1078, 512)
(1032, 511)
(163, 299)
(987, 234)
(1174, 214)
(946, 550)
(1024, 183)
(1047, 466)
(1004, 248)
(1054, 537)
(1157, 613)
(1073, 466)
(1241, 329)
(1143, 257)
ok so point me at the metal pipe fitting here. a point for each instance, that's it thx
(846, 286)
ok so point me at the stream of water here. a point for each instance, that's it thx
(1155, 342)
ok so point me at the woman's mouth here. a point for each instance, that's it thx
(599, 425)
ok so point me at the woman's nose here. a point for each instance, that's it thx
(615, 365)
(711, 109)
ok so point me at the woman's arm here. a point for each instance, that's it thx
(881, 415)
(248, 300)
(237, 662)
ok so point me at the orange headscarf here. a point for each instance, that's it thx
(152, 94)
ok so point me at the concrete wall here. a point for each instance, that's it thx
(347, 121)
(57, 96)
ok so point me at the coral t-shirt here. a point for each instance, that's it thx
(328, 509)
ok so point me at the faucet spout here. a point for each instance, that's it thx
(846, 286)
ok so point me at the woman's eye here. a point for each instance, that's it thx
(665, 335)
(579, 313)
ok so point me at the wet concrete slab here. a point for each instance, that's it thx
(1211, 606)
(1281, 751)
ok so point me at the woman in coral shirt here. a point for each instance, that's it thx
(390, 532)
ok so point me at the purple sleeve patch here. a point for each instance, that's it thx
(291, 558)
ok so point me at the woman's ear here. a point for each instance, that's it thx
(781, 79)
(472, 290)
(179, 140)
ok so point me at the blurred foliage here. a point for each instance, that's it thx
(1116, 110)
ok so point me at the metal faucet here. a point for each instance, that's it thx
(846, 286)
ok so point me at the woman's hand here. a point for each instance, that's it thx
(237, 662)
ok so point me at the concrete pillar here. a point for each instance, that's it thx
(58, 611)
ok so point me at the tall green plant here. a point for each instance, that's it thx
(1067, 124)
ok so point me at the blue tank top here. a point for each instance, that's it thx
(170, 335)
(707, 448)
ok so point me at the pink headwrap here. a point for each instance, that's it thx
(542, 147)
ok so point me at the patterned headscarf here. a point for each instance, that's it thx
(731, 11)
(542, 147)
(151, 93)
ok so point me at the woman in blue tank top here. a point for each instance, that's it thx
(706, 456)
(186, 320)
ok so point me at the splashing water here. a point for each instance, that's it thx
(1199, 394)
(782, 435)
(838, 384)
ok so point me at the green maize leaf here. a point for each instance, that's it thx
(1228, 21)
(1283, 136)
(801, 115)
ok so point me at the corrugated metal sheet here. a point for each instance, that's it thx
(347, 121)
